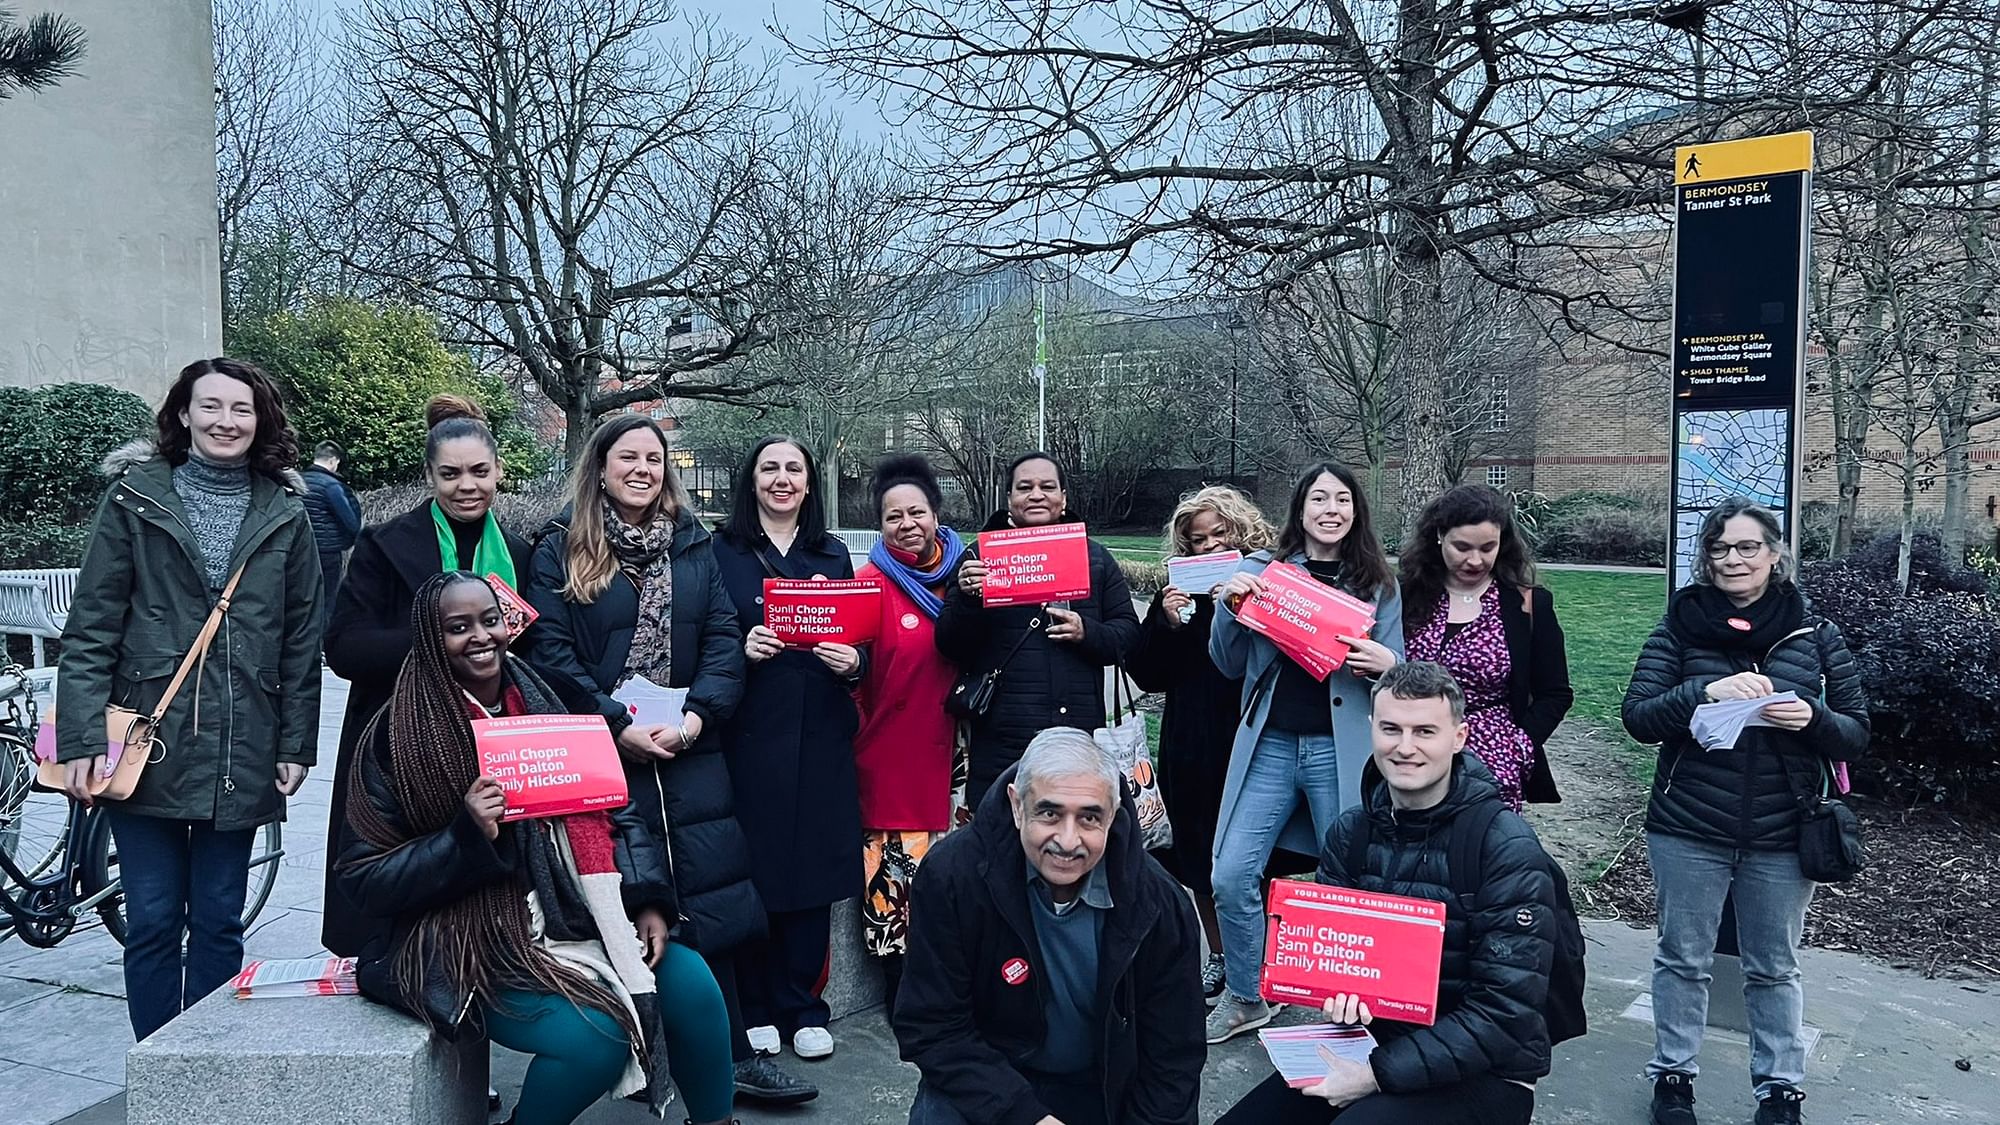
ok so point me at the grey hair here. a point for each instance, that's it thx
(1767, 520)
(1064, 752)
(1421, 679)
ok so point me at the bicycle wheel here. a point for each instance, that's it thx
(33, 822)
(101, 870)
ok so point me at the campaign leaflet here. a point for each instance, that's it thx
(1326, 940)
(550, 765)
(514, 609)
(1201, 574)
(807, 612)
(1304, 618)
(1032, 565)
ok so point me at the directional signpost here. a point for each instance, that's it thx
(1741, 220)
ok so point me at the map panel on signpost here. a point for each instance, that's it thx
(1724, 453)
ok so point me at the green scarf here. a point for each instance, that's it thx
(489, 557)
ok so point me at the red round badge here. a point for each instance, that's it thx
(910, 621)
(1014, 972)
(1740, 625)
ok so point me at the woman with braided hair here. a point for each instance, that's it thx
(552, 936)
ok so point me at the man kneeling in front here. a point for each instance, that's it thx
(1478, 1063)
(1053, 973)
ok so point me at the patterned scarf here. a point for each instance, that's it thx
(920, 584)
(643, 555)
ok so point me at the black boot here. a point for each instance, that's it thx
(1781, 1106)
(1673, 1099)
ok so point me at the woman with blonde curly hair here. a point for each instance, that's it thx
(1197, 728)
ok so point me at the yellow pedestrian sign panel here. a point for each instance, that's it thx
(1735, 160)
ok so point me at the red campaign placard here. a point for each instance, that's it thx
(1031, 565)
(550, 765)
(807, 612)
(1303, 617)
(1326, 940)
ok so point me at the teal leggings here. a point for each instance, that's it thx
(580, 1052)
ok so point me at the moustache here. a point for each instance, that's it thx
(1054, 852)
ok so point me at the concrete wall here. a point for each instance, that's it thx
(107, 204)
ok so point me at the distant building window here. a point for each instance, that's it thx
(1496, 404)
(1496, 475)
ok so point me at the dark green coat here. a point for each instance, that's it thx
(140, 602)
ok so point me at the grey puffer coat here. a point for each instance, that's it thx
(140, 602)
(1746, 797)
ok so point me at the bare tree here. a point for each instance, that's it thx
(569, 180)
(268, 82)
(1265, 137)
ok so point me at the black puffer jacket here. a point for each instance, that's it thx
(1047, 683)
(689, 799)
(1746, 797)
(1495, 971)
(969, 1018)
(394, 889)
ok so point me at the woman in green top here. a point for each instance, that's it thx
(369, 635)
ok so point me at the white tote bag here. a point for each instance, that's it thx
(1124, 738)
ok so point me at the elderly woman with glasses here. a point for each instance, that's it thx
(1724, 822)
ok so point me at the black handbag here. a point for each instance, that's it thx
(1830, 847)
(972, 693)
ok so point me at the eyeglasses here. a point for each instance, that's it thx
(1749, 549)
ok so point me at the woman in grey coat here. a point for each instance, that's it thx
(1299, 750)
(215, 495)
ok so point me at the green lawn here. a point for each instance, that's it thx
(1605, 619)
(1133, 548)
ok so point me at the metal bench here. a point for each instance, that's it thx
(36, 603)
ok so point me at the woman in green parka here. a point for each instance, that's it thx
(213, 494)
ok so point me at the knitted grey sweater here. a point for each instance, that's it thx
(216, 498)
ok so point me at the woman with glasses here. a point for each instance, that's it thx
(1724, 822)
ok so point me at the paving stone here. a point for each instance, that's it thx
(33, 1095)
(75, 1033)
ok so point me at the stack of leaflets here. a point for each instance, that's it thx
(307, 976)
(1717, 726)
(1295, 1050)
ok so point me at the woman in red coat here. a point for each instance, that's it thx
(912, 780)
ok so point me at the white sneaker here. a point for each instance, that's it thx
(812, 1043)
(764, 1040)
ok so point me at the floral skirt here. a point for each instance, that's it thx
(889, 861)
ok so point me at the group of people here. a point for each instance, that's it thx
(1042, 965)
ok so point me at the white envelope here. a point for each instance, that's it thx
(649, 703)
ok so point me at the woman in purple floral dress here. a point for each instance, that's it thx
(1470, 603)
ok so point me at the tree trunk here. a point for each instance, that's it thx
(1955, 406)
(578, 421)
(1426, 429)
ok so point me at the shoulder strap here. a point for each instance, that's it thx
(201, 643)
(1466, 855)
(769, 570)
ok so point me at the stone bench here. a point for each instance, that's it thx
(310, 1060)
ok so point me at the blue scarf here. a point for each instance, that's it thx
(918, 583)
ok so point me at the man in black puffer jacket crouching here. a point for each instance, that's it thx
(1476, 1065)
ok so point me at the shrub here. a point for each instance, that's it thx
(360, 375)
(1145, 578)
(53, 441)
(42, 546)
(1597, 527)
(1931, 663)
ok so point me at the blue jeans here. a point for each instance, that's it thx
(1283, 768)
(184, 881)
(1692, 879)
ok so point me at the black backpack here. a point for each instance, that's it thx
(1562, 1008)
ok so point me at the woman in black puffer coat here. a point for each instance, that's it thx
(1724, 823)
(1056, 677)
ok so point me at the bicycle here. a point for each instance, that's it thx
(58, 859)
